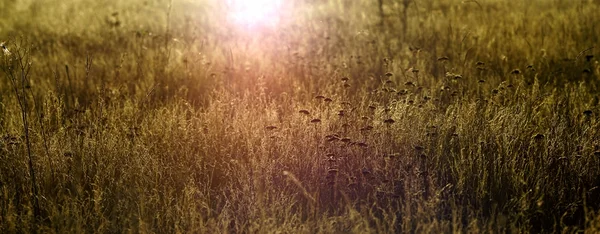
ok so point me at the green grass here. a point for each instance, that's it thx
(462, 117)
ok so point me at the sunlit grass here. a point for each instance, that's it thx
(300, 116)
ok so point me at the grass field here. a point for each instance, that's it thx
(334, 116)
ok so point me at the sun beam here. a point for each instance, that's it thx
(253, 13)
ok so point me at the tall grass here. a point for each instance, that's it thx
(349, 117)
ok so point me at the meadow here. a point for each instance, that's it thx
(334, 116)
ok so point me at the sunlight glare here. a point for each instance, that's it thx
(251, 13)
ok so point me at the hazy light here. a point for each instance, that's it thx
(253, 13)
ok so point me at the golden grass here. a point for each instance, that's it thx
(465, 116)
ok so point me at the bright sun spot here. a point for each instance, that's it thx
(251, 13)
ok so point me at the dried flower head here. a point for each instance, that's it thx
(270, 127)
(589, 57)
(539, 136)
(367, 128)
(4, 49)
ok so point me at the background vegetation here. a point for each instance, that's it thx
(163, 116)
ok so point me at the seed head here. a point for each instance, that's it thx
(367, 128)
(539, 136)
(271, 127)
(589, 57)
(441, 59)
(4, 49)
